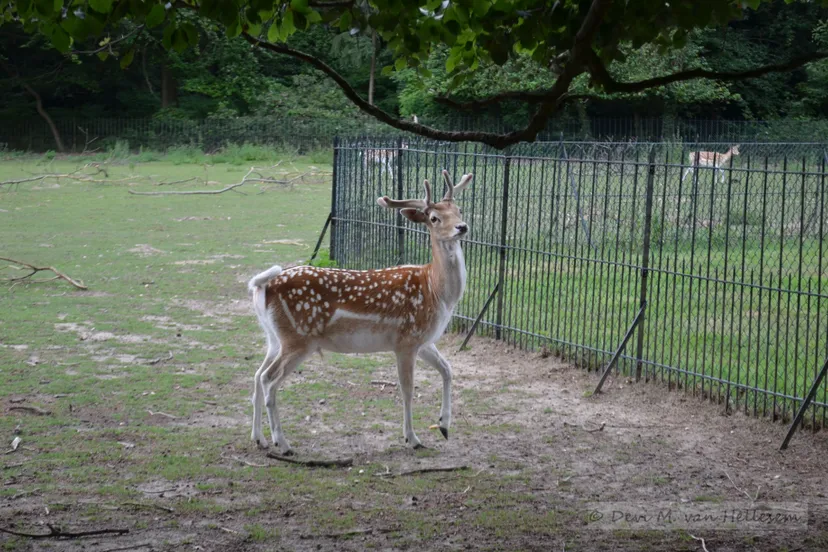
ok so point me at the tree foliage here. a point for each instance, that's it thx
(545, 53)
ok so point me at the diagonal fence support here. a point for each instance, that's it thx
(805, 404)
(480, 316)
(620, 349)
(321, 237)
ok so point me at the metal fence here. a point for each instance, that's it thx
(570, 241)
(306, 133)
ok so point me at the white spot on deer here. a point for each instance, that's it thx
(307, 306)
(298, 307)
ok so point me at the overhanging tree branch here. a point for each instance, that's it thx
(495, 140)
(108, 46)
(601, 76)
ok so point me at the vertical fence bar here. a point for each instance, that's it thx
(332, 254)
(504, 214)
(400, 194)
(645, 261)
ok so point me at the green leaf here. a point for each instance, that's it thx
(127, 59)
(273, 33)
(286, 28)
(103, 55)
(60, 38)
(233, 29)
(345, 21)
(156, 16)
(101, 6)
(451, 62)
(166, 39)
(179, 40)
(299, 21)
(300, 6)
(400, 64)
(191, 33)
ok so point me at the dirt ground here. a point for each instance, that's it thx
(542, 456)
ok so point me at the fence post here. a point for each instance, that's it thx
(645, 260)
(504, 216)
(400, 194)
(332, 254)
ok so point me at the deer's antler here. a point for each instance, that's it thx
(451, 189)
(421, 204)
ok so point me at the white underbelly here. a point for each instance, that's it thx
(363, 340)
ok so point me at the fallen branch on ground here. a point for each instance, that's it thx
(351, 533)
(35, 269)
(142, 505)
(258, 175)
(704, 546)
(129, 547)
(160, 359)
(383, 383)
(343, 463)
(33, 409)
(170, 416)
(77, 175)
(424, 470)
(57, 533)
(599, 428)
(246, 463)
(751, 498)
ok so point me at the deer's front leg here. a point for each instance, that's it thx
(431, 355)
(405, 370)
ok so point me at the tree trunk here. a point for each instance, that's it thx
(146, 75)
(373, 67)
(38, 105)
(584, 119)
(169, 88)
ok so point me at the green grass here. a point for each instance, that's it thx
(167, 275)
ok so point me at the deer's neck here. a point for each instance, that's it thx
(447, 272)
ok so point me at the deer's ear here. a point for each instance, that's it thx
(414, 215)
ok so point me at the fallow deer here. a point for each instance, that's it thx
(384, 157)
(710, 159)
(403, 309)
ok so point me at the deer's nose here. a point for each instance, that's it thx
(462, 228)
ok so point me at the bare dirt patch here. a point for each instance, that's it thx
(145, 250)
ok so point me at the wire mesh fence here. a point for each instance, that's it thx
(569, 240)
(309, 133)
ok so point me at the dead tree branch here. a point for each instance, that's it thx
(32, 409)
(35, 269)
(424, 470)
(57, 533)
(258, 175)
(343, 463)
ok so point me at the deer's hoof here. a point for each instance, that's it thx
(444, 431)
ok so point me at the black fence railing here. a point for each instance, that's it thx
(730, 266)
(303, 133)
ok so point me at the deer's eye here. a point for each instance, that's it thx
(434, 219)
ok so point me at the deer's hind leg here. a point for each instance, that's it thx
(272, 377)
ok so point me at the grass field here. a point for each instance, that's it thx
(146, 378)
